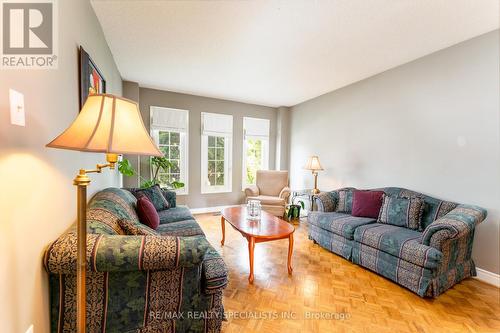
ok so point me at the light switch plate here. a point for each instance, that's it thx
(17, 116)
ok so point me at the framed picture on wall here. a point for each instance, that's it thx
(91, 79)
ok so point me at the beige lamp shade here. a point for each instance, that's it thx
(313, 164)
(108, 124)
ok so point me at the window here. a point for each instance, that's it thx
(169, 129)
(216, 148)
(255, 148)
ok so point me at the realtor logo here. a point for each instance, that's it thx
(29, 36)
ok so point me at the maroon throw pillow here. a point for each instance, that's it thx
(367, 203)
(147, 212)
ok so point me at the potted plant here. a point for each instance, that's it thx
(158, 164)
(292, 212)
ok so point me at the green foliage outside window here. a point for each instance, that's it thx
(253, 159)
(166, 170)
(216, 146)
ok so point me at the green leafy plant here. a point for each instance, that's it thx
(125, 168)
(293, 211)
(158, 164)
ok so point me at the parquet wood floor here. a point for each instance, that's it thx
(324, 284)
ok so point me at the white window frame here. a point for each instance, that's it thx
(206, 188)
(183, 144)
(265, 150)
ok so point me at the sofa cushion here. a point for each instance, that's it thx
(367, 203)
(338, 223)
(136, 228)
(344, 202)
(400, 242)
(402, 212)
(178, 213)
(268, 200)
(154, 195)
(180, 228)
(147, 213)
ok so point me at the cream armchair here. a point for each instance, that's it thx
(271, 190)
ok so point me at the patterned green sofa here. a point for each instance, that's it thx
(172, 282)
(427, 262)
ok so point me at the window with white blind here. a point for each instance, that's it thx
(169, 130)
(255, 148)
(216, 151)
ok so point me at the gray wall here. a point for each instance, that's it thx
(431, 125)
(195, 105)
(40, 200)
(282, 137)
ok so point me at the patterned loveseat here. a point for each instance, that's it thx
(427, 261)
(170, 282)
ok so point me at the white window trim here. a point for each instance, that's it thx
(228, 158)
(184, 151)
(265, 153)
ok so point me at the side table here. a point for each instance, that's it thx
(307, 197)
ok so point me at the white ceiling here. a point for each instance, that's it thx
(278, 52)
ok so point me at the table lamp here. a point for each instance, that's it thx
(314, 165)
(106, 124)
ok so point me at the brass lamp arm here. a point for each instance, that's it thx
(83, 180)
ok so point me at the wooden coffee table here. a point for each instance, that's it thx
(268, 228)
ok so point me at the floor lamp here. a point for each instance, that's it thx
(314, 165)
(106, 124)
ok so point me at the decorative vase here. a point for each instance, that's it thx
(254, 209)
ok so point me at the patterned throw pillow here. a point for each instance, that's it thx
(344, 204)
(132, 228)
(403, 212)
(327, 201)
(154, 195)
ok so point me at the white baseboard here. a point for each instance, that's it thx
(215, 209)
(488, 277)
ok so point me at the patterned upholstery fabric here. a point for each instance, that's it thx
(109, 206)
(132, 228)
(427, 261)
(411, 276)
(344, 202)
(325, 202)
(215, 272)
(179, 213)
(399, 242)
(135, 283)
(403, 212)
(180, 228)
(458, 222)
(338, 223)
(335, 243)
(171, 196)
(155, 195)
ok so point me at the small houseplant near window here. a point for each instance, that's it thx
(158, 164)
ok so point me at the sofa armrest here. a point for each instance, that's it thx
(455, 224)
(285, 193)
(324, 202)
(119, 253)
(252, 191)
(214, 272)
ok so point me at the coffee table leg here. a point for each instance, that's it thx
(251, 246)
(223, 225)
(290, 251)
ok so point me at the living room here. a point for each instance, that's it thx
(250, 166)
